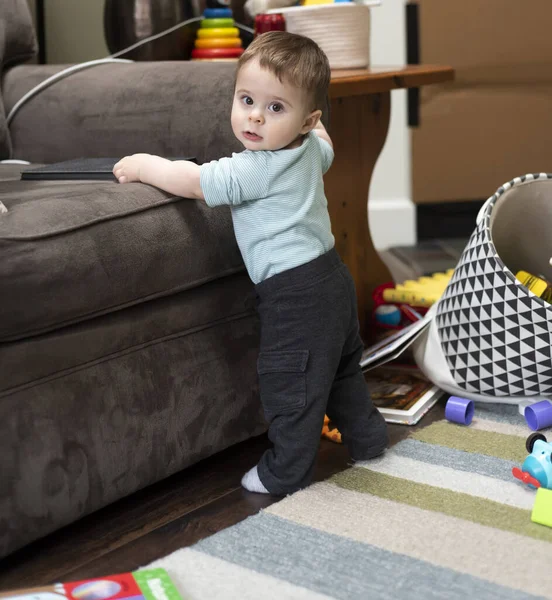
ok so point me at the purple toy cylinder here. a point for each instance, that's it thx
(539, 415)
(459, 410)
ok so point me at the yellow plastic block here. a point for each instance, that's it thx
(312, 2)
(542, 509)
(218, 32)
(218, 43)
(535, 284)
(424, 291)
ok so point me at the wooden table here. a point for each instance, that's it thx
(359, 120)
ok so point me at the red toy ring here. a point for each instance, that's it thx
(217, 52)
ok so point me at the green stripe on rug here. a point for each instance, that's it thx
(464, 506)
(500, 445)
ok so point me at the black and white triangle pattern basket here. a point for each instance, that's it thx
(494, 334)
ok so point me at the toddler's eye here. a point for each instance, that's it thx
(247, 100)
(276, 107)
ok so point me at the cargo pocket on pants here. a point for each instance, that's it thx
(283, 380)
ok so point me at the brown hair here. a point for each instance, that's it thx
(294, 58)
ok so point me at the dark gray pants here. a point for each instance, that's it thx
(309, 365)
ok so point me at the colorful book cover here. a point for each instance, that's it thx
(401, 393)
(149, 584)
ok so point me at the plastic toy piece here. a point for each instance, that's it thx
(217, 52)
(523, 404)
(536, 470)
(459, 410)
(217, 23)
(217, 13)
(423, 292)
(542, 509)
(232, 60)
(525, 477)
(530, 281)
(218, 32)
(330, 431)
(388, 314)
(219, 43)
(539, 415)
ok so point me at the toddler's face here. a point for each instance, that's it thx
(268, 114)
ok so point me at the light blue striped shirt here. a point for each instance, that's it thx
(279, 209)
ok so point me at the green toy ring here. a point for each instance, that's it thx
(217, 23)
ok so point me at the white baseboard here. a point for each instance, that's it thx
(392, 222)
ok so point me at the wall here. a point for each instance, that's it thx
(392, 212)
(74, 30)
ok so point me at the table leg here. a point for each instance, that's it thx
(358, 128)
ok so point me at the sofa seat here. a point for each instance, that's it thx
(128, 351)
(72, 251)
(128, 335)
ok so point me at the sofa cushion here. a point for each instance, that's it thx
(17, 44)
(179, 108)
(75, 250)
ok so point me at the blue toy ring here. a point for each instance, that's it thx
(217, 13)
(539, 415)
(459, 410)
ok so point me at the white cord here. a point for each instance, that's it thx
(170, 30)
(61, 75)
(156, 36)
(113, 58)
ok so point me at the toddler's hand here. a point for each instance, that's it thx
(127, 169)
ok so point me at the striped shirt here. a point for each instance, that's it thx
(279, 209)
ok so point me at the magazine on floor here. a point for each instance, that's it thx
(402, 394)
(392, 346)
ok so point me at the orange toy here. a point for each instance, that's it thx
(330, 432)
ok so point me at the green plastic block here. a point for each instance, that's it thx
(156, 584)
(542, 509)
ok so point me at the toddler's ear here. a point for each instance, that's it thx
(311, 121)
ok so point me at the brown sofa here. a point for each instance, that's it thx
(128, 333)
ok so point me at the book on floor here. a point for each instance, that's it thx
(402, 394)
(148, 584)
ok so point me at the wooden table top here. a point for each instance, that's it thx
(357, 82)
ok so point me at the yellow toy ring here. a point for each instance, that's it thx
(217, 32)
(219, 43)
(210, 23)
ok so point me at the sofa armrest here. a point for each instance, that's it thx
(168, 108)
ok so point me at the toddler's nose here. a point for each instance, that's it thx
(256, 116)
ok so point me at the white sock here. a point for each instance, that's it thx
(251, 482)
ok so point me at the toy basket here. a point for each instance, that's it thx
(342, 30)
(490, 338)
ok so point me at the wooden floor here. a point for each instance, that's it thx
(172, 514)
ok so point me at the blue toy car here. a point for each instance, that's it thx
(536, 470)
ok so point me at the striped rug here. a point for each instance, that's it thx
(438, 516)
